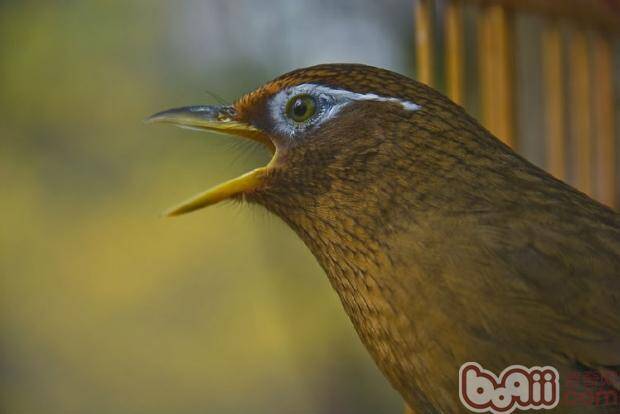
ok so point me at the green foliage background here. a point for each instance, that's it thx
(107, 308)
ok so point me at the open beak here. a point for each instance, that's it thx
(218, 119)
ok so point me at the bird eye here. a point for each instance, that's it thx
(301, 108)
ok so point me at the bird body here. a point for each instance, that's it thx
(443, 244)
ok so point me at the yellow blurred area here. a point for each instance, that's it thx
(106, 307)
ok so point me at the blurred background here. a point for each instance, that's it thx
(106, 307)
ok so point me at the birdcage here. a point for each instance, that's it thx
(542, 75)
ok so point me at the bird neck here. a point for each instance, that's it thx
(358, 195)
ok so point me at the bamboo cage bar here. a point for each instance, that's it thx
(603, 104)
(581, 113)
(553, 83)
(485, 65)
(598, 13)
(455, 64)
(577, 78)
(425, 41)
(496, 71)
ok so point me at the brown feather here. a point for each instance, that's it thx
(444, 245)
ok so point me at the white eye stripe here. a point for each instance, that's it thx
(353, 96)
(333, 99)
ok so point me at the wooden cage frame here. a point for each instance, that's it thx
(592, 25)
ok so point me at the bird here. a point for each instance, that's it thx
(443, 244)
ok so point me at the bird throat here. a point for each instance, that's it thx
(351, 250)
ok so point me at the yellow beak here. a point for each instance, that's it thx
(218, 119)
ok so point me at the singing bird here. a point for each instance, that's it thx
(443, 244)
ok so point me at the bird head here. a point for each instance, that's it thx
(343, 136)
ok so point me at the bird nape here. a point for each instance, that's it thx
(444, 245)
